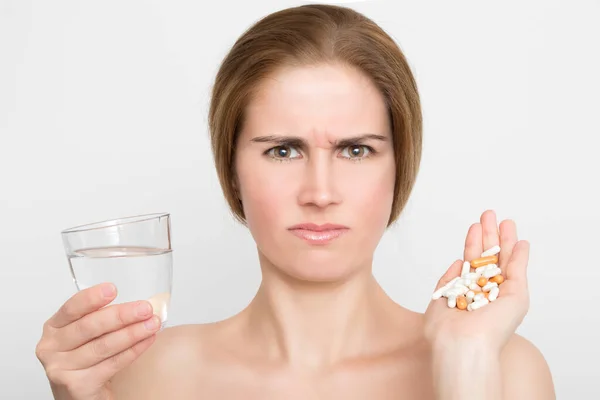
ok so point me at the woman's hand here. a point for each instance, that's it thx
(84, 344)
(467, 345)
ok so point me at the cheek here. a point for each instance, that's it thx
(370, 192)
(265, 195)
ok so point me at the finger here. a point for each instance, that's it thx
(489, 224)
(111, 344)
(103, 321)
(516, 269)
(450, 274)
(473, 242)
(508, 239)
(82, 303)
(109, 367)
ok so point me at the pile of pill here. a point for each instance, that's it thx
(478, 284)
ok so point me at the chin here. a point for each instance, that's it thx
(318, 266)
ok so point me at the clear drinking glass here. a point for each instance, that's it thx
(134, 253)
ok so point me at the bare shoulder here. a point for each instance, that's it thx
(177, 359)
(526, 374)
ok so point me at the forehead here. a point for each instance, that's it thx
(307, 101)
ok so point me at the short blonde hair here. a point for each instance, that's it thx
(310, 35)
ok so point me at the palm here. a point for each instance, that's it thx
(498, 320)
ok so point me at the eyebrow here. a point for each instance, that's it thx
(296, 141)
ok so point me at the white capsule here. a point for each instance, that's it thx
(488, 286)
(479, 270)
(491, 273)
(461, 282)
(478, 304)
(478, 297)
(456, 291)
(440, 292)
(469, 296)
(491, 251)
(466, 268)
(474, 286)
(494, 293)
(472, 276)
(490, 267)
(451, 301)
(452, 282)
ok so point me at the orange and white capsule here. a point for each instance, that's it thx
(480, 262)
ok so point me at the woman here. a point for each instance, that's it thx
(316, 129)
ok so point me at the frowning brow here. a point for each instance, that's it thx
(296, 141)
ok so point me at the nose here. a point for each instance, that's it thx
(318, 187)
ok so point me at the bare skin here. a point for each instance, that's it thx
(216, 361)
(220, 361)
(320, 326)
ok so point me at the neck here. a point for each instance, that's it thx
(316, 325)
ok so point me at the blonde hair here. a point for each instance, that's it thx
(310, 35)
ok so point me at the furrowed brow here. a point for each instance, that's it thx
(345, 142)
(292, 141)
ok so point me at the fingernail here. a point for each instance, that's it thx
(152, 323)
(144, 309)
(108, 290)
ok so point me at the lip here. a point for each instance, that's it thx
(318, 234)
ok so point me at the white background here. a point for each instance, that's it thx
(103, 111)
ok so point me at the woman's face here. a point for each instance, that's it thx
(316, 149)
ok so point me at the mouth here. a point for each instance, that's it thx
(318, 234)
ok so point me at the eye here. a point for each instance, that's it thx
(283, 153)
(356, 151)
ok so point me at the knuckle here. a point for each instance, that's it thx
(118, 360)
(84, 329)
(119, 315)
(43, 349)
(40, 352)
(56, 376)
(68, 310)
(137, 350)
(46, 328)
(100, 348)
(133, 335)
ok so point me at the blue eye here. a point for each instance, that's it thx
(356, 151)
(283, 153)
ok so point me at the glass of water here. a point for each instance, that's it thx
(134, 253)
